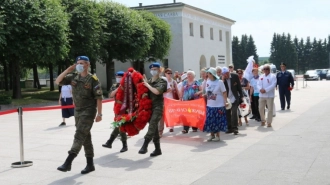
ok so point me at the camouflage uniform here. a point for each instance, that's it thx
(85, 91)
(157, 108)
(116, 130)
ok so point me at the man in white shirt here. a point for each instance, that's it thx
(266, 84)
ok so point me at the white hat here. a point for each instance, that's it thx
(213, 71)
(225, 70)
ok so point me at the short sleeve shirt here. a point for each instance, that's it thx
(190, 90)
(214, 91)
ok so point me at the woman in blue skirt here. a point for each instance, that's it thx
(216, 106)
(65, 100)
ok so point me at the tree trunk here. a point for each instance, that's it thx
(59, 71)
(36, 82)
(5, 75)
(51, 77)
(17, 94)
(10, 75)
(93, 67)
(110, 73)
(139, 66)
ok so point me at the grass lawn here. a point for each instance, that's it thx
(35, 96)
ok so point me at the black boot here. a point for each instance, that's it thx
(124, 149)
(144, 148)
(157, 150)
(67, 164)
(90, 166)
(108, 144)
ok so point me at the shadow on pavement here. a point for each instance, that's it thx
(67, 180)
(113, 161)
(57, 128)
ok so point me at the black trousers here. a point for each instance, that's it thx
(232, 117)
(255, 107)
(285, 94)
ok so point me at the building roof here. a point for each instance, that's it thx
(171, 5)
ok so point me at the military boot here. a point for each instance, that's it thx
(157, 150)
(67, 164)
(144, 148)
(90, 166)
(124, 149)
(108, 144)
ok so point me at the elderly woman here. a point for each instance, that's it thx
(216, 94)
(245, 87)
(219, 71)
(191, 90)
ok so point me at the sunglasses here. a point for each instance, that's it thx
(266, 69)
(169, 73)
(230, 67)
(239, 73)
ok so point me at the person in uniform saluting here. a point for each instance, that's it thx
(87, 96)
(285, 83)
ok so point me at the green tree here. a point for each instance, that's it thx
(243, 53)
(127, 36)
(236, 51)
(251, 49)
(45, 24)
(307, 54)
(162, 38)
(85, 25)
(299, 46)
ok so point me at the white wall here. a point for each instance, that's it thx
(195, 46)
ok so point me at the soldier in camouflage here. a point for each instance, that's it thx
(157, 86)
(116, 130)
(87, 96)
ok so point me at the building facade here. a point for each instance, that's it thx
(199, 38)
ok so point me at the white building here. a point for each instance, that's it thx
(200, 38)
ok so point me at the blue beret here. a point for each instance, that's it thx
(155, 64)
(82, 58)
(120, 73)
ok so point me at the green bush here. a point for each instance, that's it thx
(5, 99)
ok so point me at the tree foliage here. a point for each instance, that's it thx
(35, 30)
(242, 50)
(126, 36)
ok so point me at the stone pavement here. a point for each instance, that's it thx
(295, 150)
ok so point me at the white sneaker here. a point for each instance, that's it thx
(211, 138)
(216, 139)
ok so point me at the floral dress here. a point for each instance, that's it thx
(190, 90)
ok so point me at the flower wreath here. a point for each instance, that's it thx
(132, 106)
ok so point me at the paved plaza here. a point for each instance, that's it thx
(296, 150)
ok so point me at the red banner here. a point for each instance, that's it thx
(187, 113)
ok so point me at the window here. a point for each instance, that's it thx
(220, 35)
(201, 31)
(211, 33)
(191, 27)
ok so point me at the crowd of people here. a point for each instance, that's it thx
(229, 95)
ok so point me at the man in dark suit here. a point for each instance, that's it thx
(285, 83)
(235, 95)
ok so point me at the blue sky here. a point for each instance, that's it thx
(261, 18)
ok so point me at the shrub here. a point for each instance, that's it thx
(5, 99)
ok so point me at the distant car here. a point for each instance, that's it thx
(328, 75)
(293, 73)
(311, 75)
(322, 73)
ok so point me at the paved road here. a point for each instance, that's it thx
(295, 151)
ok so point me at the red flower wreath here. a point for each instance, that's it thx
(136, 121)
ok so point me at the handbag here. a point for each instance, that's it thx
(175, 91)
